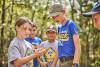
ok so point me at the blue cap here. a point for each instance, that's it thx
(95, 10)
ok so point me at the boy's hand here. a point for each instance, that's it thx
(42, 64)
(41, 50)
(75, 65)
(38, 52)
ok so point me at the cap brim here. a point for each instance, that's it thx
(35, 43)
(50, 30)
(52, 14)
(89, 14)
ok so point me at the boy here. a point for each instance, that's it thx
(69, 53)
(95, 14)
(35, 41)
(51, 46)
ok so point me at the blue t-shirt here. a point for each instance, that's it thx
(34, 41)
(65, 36)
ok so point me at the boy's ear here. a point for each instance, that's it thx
(63, 11)
(56, 32)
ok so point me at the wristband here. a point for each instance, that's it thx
(75, 65)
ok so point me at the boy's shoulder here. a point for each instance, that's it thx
(71, 23)
(47, 43)
(44, 42)
(37, 38)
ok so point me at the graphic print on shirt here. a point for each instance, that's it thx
(29, 52)
(63, 36)
(50, 55)
(34, 42)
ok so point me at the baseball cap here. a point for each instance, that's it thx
(51, 28)
(95, 9)
(55, 9)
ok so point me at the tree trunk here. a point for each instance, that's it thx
(33, 11)
(2, 32)
(44, 19)
(10, 17)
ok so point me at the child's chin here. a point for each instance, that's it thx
(26, 36)
(51, 39)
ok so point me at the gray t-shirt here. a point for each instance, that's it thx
(19, 48)
(51, 48)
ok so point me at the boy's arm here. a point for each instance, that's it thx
(55, 60)
(39, 60)
(42, 64)
(77, 48)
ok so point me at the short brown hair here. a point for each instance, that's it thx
(34, 24)
(21, 21)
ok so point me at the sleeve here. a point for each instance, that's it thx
(40, 41)
(41, 44)
(59, 43)
(73, 28)
(13, 53)
(37, 41)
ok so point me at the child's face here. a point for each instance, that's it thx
(51, 35)
(33, 32)
(24, 30)
(59, 18)
(96, 20)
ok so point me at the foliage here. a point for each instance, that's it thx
(37, 10)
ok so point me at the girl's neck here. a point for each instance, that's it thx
(19, 36)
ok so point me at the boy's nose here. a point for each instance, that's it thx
(28, 32)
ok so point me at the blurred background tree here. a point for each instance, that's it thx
(37, 10)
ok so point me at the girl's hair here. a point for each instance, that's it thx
(22, 20)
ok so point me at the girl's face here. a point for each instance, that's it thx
(24, 30)
(96, 20)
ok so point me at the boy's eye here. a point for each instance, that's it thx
(30, 29)
(33, 30)
(55, 16)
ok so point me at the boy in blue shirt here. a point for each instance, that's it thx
(35, 41)
(69, 52)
